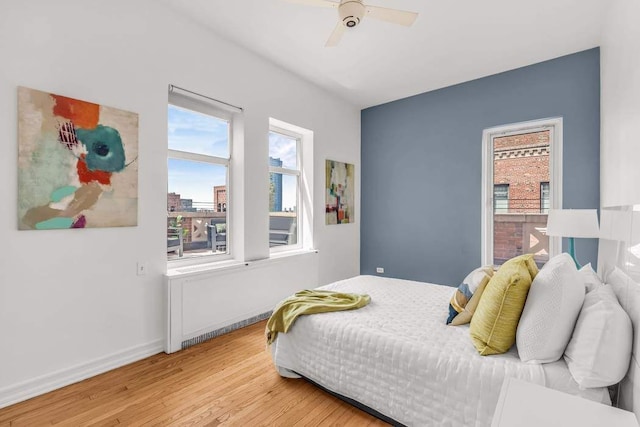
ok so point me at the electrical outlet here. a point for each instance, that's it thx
(379, 270)
(142, 268)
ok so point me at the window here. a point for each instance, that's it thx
(284, 188)
(522, 180)
(544, 197)
(501, 198)
(199, 136)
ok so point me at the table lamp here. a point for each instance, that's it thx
(572, 223)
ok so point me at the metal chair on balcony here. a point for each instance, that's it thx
(217, 236)
(174, 240)
(282, 230)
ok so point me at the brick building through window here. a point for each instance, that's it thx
(521, 192)
(173, 202)
(521, 164)
(220, 198)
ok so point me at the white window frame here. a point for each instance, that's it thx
(554, 126)
(210, 107)
(299, 196)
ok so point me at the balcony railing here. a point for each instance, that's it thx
(520, 233)
(520, 205)
(198, 236)
(193, 207)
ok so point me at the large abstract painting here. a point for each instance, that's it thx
(77, 163)
(340, 192)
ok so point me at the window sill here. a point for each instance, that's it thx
(216, 266)
(205, 267)
(291, 252)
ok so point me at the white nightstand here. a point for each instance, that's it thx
(523, 404)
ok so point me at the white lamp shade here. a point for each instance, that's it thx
(573, 223)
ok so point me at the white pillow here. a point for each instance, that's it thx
(599, 352)
(551, 310)
(628, 293)
(590, 277)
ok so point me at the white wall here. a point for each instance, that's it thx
(71, 303)
(620, 105)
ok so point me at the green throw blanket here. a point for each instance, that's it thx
(310, 302)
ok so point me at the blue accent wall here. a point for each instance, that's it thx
(422, 164)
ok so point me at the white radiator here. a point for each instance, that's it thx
(202, 302)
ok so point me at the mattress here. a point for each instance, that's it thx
(397, 356)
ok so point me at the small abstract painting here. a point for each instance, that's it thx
(77, 163)
(340, 192)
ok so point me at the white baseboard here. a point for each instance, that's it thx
(46, 383)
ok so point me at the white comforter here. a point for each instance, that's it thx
(397, 356)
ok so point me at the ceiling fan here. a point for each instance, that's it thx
(351, 13)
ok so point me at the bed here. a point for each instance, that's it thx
(397, 357)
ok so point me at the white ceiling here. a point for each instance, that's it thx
(452, 41)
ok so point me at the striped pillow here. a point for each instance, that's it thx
(465, 299)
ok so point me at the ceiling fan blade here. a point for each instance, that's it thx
(394, 16)
(336, 35)
(319, 3)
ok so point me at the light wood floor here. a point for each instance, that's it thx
(229, 381)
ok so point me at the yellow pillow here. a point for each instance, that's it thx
(531, 265)
(494, 323)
